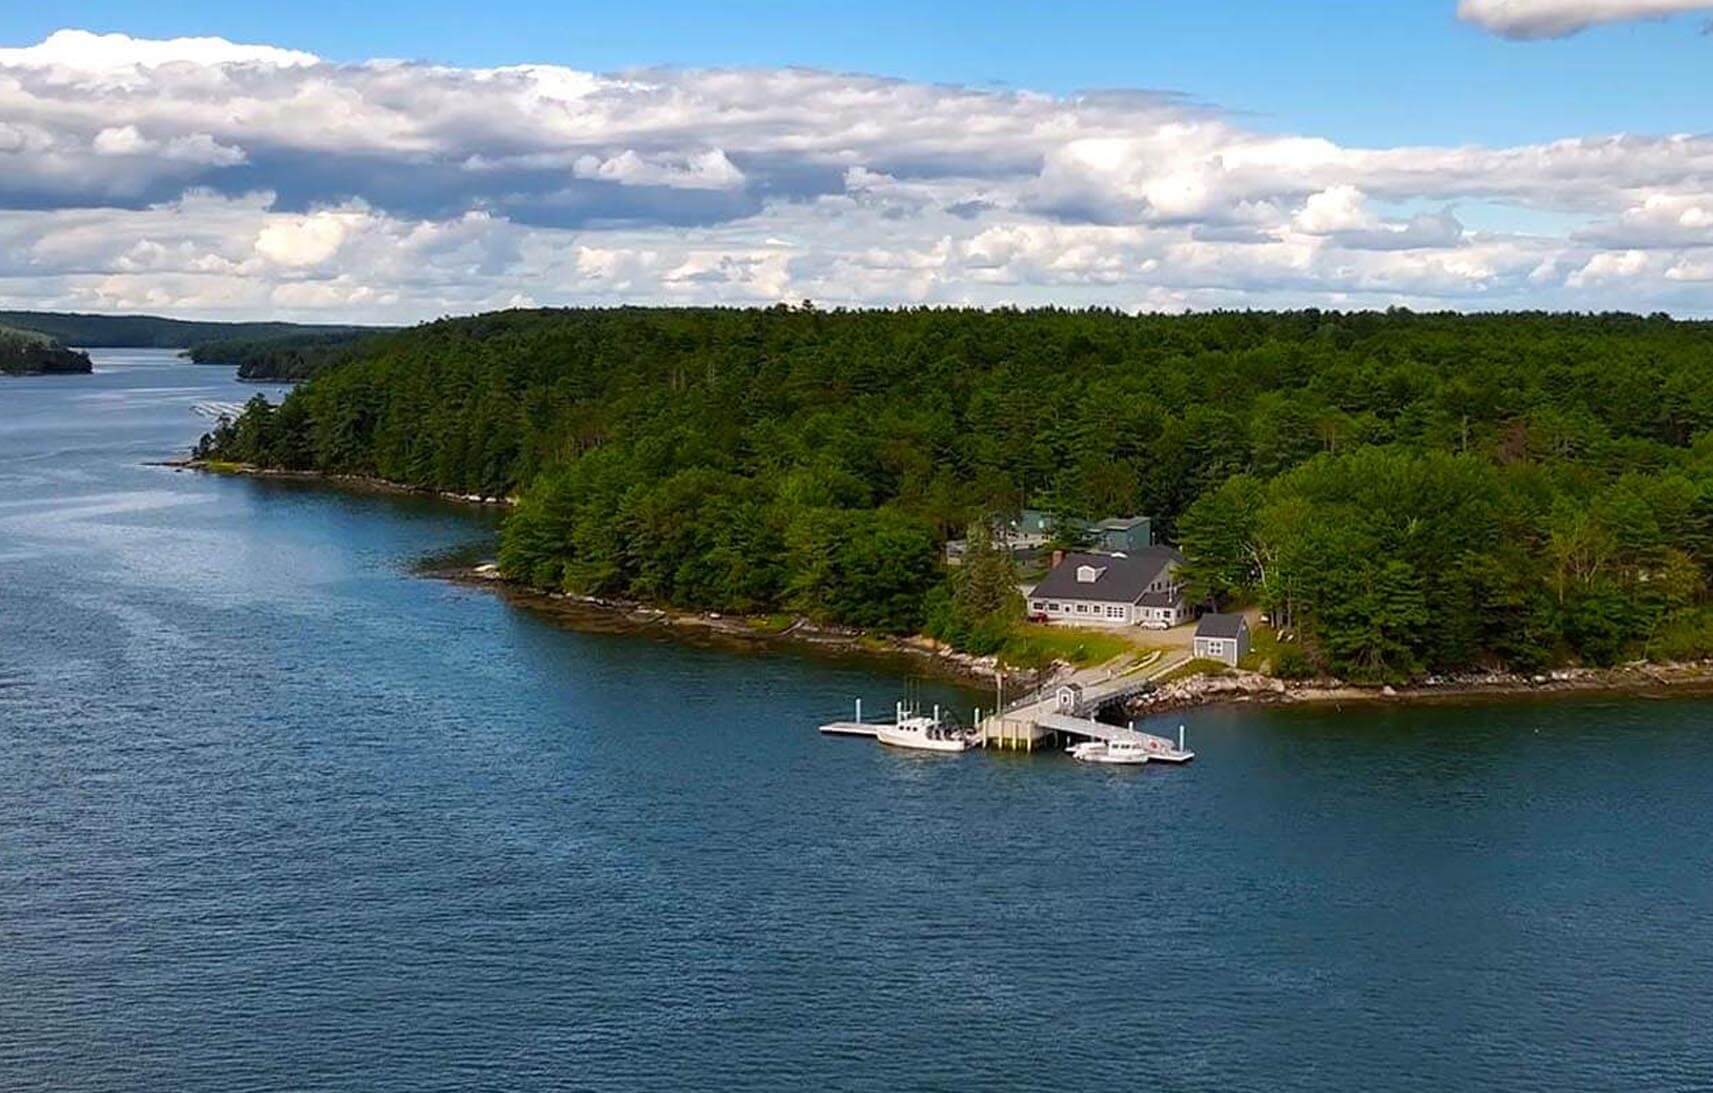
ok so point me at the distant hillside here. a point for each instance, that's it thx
(26, 352)
(151, 331)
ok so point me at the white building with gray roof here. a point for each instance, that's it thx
(1139, 588)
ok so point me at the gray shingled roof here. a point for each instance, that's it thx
(1124, 578)
(1219, 626)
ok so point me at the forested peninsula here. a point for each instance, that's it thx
(1404, 493)
(286, 358)
(27, 353)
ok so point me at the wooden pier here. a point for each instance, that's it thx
(1061, 715)
(1066, 712)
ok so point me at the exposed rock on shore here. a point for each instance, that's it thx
(1253, 688)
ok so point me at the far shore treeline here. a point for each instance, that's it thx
(1404, 493)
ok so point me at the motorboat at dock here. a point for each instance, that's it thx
(919, 732)
(1127, 747)
(1127, 753)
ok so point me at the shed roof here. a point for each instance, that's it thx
(1220, 626)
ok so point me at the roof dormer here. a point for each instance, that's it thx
(1088, 574)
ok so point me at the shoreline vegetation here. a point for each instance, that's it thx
(276, 358)
(1215, 686)
(1406, 498)
(27, 353)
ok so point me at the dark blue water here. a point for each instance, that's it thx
(277, 814)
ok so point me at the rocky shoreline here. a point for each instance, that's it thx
(360, 482)
(1231, 688)
(1252, 688)
(1224, 689)
(602, 615)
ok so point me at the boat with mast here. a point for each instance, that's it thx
(919, 732)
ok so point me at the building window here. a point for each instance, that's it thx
(1038, 605)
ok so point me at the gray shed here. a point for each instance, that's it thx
(1223, 638)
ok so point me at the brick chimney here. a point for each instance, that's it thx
(1058, 556)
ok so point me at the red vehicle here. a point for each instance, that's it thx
(1038, 616)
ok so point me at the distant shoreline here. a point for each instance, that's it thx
(362, 483)
(600, 615)
(592, 614)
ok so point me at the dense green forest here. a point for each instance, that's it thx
(290, 357)
(1404, 493)
(25, 353)
(147, 331)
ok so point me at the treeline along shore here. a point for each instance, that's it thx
(1405, 495)
(28, 353)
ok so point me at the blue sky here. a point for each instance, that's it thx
(291, 160)
(1373, 72)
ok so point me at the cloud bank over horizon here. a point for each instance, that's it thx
(206, 178)
(1530, 19)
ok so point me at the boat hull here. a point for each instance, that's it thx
(1104, 753)
(915, 741)
(1108, 759)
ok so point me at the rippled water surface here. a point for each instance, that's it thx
(277, 814)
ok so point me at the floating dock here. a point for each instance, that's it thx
(859, 727)
(1053, 719)
(1065, 713)
(847, 728)
(1159, 748)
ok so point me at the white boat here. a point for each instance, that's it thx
(1128, 753)
(921, 733)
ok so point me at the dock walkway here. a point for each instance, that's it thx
(1067, 708)
(848, 728)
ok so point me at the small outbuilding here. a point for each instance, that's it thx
(1224, 638)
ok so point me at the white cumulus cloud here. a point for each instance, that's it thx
(1559, 18)
(204, 177)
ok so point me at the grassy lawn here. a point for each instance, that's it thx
(1201, 666)
(1033, 645)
